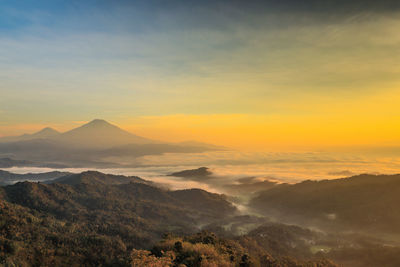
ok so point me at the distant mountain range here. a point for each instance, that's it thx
(95, 134)
(11, 178)
(42, 134)
(90, 145)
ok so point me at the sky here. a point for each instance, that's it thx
(261, 75)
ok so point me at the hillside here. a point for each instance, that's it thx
(96, 219)
(207, 249)
(32, 238)
(363, 202)
(91, 191)
(95, 177)
(92, 211)
(94, 198)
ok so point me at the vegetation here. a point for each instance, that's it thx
(363, 202)
(96, 223)
(207, 250)
(94, 219)
(199, 173)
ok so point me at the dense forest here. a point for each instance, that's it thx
(96, 219)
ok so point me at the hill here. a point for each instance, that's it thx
(363, 202)
(96, 218)
(93, 197)
(94, 177)
(199, 173)
(207, 249)
(112, 225)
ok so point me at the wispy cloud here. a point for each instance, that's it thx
(299, 61)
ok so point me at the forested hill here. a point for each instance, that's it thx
(95, 219)
(362, 202)
(95, 177)
(91, 196)
(91, 210)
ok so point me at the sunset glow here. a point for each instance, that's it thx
(264, 76)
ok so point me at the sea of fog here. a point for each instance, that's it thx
(230, 166)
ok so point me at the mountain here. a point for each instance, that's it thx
(199, 173)
(10, 178)
(97, 144)
(42, 134)
(202, 200)
(100, 224)
(94, 177)
(94, 134)
(248, 186)
(363, 202)
(137, 212)
(96, 219)
(86, 187)
(100, 134)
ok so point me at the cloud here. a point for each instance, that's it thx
(290, 61)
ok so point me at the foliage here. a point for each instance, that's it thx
(363, 202)
(93, 224)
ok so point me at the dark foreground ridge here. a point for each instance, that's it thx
(95, 219)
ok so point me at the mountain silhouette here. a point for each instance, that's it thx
(100, 133)
(94, 134)
(42, 134)
(94, 144)
(45, 133)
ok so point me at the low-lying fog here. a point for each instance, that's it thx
(240, 171)
(242, 175)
